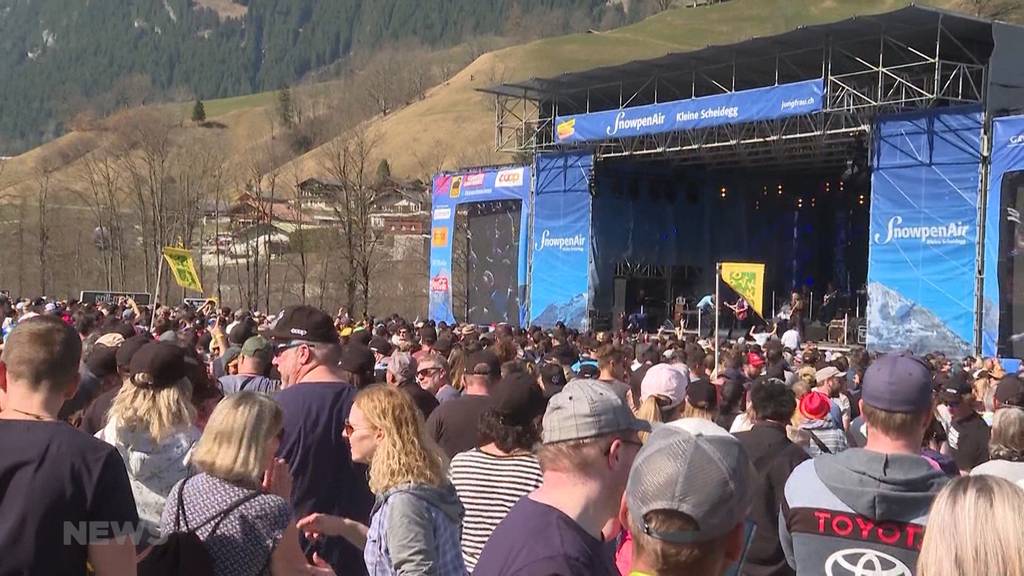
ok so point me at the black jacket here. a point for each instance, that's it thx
(773, 457)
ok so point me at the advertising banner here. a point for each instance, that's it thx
(1003, 316)
(752, 105)
(924, 232)
(101, 296)
(503, 293)
(560, 278)
(183, 268)
(747, 279)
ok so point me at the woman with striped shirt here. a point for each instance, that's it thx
(492, 478)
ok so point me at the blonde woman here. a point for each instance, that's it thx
(416, 521)
(662, 394)
(151, 423)
(974, 528)
(238, 503)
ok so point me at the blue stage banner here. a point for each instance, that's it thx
(924, 232)
(560, 278)
(736, 108)
(1003, 319)
(450, 190)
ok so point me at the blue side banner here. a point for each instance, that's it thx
(452, 190)
(735, 108)
(560, 278)
(1003, 319)
(924, 232)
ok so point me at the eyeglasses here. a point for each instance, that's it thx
(425, 372)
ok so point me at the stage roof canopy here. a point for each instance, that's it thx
(912, 58)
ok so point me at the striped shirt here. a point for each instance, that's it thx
(488, 487)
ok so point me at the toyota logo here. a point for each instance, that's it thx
(864, 562)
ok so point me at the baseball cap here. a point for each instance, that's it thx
(702, 394)
(588, 370)
(380, 346)
(357, 359)
(483, 363)
(241, 331)
(754, 359)
(897, 383)
(955, 387)
(102, 361)
(815, 406)
(110, 340)
(402, 367)
(158, 365)
(517, 399)
(257, 346)
(303, 323)
(553, 376)
(127, 350)
(707, 477)
(587, 408)
(664, 380)
(828, 372)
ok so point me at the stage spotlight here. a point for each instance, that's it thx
(723, 191)
(780, 189)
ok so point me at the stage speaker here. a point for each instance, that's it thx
(815, 332)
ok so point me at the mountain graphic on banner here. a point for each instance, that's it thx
(573, 312)
(895, 323)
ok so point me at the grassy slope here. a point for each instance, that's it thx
(453, 124)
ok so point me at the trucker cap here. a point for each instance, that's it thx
(587, 408)
(707, 477)
(898, 383)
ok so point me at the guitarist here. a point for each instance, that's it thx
(740, 312)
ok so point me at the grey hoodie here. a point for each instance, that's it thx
(416, 529)
(857, 509)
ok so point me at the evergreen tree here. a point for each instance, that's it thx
(383, 170)
(199, 112)
(286, 108)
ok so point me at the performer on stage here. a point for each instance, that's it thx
(796, 312)
(740, 312)
(829, 304)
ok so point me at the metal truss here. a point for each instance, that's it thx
(863, 78)
(627, 269)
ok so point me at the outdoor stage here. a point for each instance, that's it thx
(849, 153)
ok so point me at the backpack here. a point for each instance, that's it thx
(182, 552)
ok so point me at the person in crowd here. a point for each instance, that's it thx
(589, 443)
(662, 394)
(613, 363)
(254, 360)
(95, 416)
(417, 516)
(817, 429)
(99, 374)
(731, 406)
(887, 481)
(1006, 446)
(967, 434)
(701, 401)
(492, 478)
(686, 503)
(753, 367)
(57, 483)
(774, 457)
(382, 351)
(401, 373)
(432, 376)
(1009, 391)
(975, 528)
(552, 379)
(316, 402)
(151, 423)
(238, 502)
(356, 365)
(428, 338)
(649, 356)
(454, 425)
(830, 381)
(790, 339)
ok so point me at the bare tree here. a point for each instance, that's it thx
(43, 181)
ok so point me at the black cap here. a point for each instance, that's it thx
(102, 361)
(588, 370)
(702, 394)
(380, 346)
(242, 331)
(483, 363)
(517, 399)
(357, 359)
(303, 323)
(158, 365)
(955, 387)
(128, 349)
(1010, 391)
(553, 376)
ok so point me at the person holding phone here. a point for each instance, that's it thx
(686, 504)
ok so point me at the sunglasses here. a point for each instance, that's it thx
(350, 429)
(427, 371)
(282, 348)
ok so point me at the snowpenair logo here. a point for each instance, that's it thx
(564, 243)
(510, 178)
(566, 128)
(952, 233)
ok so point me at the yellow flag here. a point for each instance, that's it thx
(747, 280)
(184, 269)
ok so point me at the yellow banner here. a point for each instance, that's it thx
(180, 262)
(747, 280)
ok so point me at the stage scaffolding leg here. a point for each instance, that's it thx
(718, 276)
